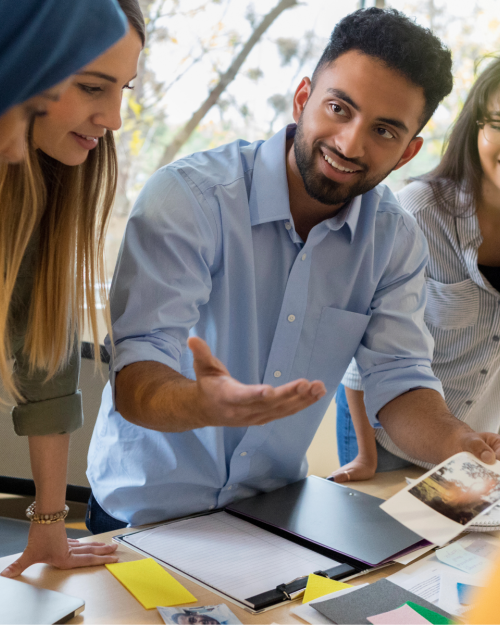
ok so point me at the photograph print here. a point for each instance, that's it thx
(460, 490)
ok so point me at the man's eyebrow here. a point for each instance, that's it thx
(338, 93)
(394, 122)
(98, 75)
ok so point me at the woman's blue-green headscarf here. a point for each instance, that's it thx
(44, 41)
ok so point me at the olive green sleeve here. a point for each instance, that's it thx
(48, 406)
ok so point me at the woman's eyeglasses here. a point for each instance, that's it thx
(491, 130)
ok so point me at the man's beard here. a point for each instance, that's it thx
(321, 188)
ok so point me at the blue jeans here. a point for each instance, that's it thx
(98, 521)
(347, 445)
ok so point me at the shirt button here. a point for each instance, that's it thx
(468, 402)
(211, 507)
(288, 225)
(243, 453)
(291, 319)
(304, 256)
(484, 371)
(277, 374)
(495, 338)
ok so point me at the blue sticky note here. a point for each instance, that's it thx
(464, 593)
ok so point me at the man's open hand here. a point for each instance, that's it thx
(223, 401)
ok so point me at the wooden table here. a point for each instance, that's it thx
(107, 601)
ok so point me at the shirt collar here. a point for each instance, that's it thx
(269, 199)
(269, 192)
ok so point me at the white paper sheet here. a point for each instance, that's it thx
(229, 554)
(437, 582)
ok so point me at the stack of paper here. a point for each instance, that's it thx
(374, 601)
(445, 577)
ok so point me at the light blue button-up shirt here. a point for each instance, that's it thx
(211, 249)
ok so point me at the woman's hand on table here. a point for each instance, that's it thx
(49, 544)
(355, 471)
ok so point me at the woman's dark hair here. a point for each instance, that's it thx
(402, 45)
(133, 12)
(460, 161)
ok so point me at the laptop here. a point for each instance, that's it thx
(22, 603)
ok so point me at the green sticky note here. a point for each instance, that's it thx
(432, 617)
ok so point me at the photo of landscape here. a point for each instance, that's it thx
(459, 490)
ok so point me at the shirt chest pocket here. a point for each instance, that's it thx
(337, 339)
(451, 306)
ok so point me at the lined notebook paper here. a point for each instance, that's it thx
(228, 554)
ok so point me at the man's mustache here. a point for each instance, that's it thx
(354, 161)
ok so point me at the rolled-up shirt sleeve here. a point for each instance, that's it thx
(163, 274)
(48, 406)
(396, 351)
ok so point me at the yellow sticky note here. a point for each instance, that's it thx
(318, 586)
(150, 584)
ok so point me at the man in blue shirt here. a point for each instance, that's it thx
(281, 260)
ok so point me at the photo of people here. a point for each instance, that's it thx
(460, 490)
(203, 615)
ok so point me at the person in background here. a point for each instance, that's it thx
(55, 208)
(457, 205)
(276, 262)
(41, 44)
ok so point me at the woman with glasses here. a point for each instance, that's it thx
(457, 205)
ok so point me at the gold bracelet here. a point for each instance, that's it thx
(45, 519)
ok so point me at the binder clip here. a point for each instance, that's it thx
(282, 588)
(322, 574)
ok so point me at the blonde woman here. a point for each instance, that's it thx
(51, 259)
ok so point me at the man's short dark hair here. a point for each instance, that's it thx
(402, 45)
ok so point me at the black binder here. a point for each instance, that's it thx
(333, 520)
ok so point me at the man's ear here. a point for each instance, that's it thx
(300, 98)
(412, 150)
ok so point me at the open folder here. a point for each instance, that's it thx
(259, 551)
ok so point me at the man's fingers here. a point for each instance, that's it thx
(297, 388)
(477, 446)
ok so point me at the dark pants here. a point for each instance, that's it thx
(98, 521)
(347, 445)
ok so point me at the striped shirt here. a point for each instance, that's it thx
(462, 313)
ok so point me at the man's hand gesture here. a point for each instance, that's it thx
(223, 401)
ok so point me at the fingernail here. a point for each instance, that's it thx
(488, 457)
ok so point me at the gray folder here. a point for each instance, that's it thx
(347, 525)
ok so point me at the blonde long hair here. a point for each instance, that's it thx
(70, 206)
